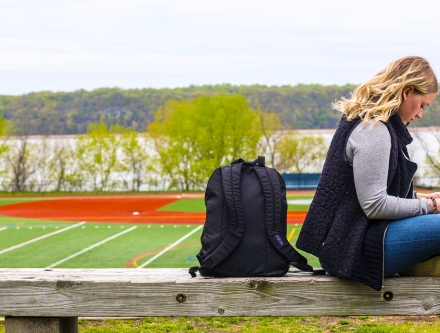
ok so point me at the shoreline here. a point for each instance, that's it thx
(431, 129)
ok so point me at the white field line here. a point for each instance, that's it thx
(91, 247)
(300, 202)
(170, 247)
(4, 228)
(41, 237)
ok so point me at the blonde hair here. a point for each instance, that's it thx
(379, 97)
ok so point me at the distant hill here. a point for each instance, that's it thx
(49, 113)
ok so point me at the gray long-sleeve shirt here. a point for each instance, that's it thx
(369, 152)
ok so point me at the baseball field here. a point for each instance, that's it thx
(112, 230)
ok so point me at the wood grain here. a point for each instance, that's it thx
(172, 292)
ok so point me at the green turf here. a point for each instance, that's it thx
(47, 251)
(198, 205)
(146, 241)
(185, 205)
(9, 201)
(114, 253)
(299, 197)
(312, 260)
(19, 230)
(301, 208)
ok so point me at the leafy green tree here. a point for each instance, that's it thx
(96, 156)
(194, 137)
(272, 130)
(5, 128)
(4, 148)
(301, 153)
(135, 157)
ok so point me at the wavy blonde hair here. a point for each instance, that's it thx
(380, 97)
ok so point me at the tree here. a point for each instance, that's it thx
(134, 155)
(96, 156)
(194, 137)
(22, 161)
(5, 127)
(20, 156)
(62, 164)
(271, 129)
(301, 153)
(44, 165)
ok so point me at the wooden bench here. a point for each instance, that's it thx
(39, 300)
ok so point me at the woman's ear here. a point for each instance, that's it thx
(406, 92)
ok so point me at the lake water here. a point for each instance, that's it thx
(425, 139)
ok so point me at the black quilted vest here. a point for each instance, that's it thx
(336, 229)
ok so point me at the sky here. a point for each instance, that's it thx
(66, 45)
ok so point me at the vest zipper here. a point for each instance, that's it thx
(410, 183)
(382, 290)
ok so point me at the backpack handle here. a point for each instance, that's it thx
(260, 161)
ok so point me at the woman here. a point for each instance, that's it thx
(365, 221)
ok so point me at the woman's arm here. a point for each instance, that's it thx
(369, 151)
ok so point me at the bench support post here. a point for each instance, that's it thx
(41, 325)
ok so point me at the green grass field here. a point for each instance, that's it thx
(46, 243)
(360, 324)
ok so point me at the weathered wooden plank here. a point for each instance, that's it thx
(41, 325)
(172, 292)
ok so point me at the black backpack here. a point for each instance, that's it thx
(246, 222)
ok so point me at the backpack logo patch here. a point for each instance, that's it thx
(279, 240)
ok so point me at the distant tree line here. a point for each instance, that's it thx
(184, 144)
(50, 113)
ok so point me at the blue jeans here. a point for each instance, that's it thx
(409, 242)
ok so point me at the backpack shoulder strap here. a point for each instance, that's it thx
(275, 229)
(231, 176)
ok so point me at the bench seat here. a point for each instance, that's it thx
(60, 296)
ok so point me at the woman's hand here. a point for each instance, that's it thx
(435, 195)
